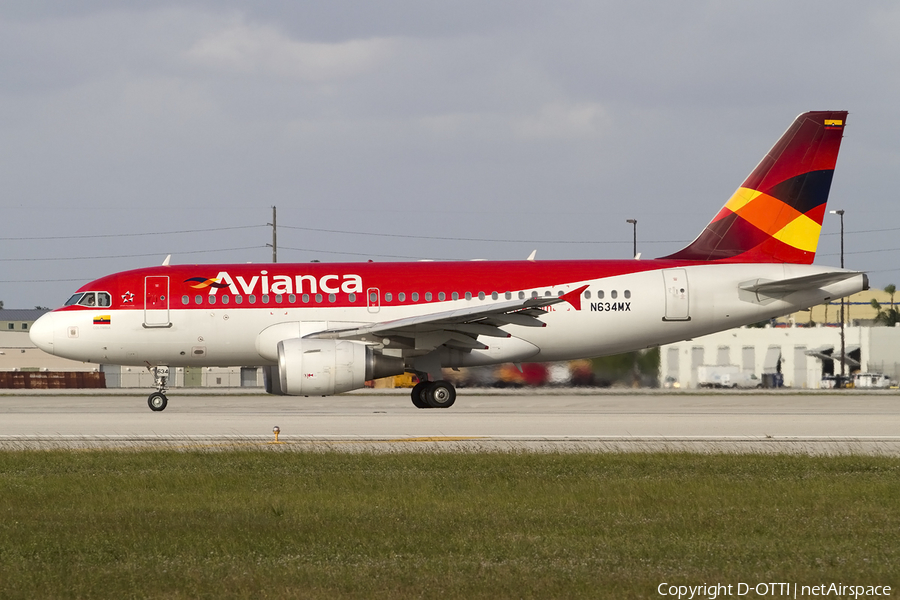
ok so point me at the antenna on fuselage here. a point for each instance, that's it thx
(166, 262)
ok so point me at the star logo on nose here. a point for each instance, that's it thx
(127, 297)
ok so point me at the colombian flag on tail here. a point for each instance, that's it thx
(776, 215)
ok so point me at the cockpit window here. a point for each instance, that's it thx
(90, 299)
(74, 299)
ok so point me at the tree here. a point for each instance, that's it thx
(891, 289)
(885, 316)
(1, 304)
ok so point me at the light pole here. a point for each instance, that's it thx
(840, 213)
(634, 237)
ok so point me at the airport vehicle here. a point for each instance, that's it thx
(323, 329)
(871, 381)
(725, 376)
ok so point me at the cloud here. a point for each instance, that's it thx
(562, 121)
(260, 49)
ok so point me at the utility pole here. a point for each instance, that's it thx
(274, 244)
(840, 213)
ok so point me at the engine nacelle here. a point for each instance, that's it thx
(310, 367)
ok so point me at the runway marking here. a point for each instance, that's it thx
(443, 438)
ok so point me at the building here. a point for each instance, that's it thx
(801, 355)
(858, 310)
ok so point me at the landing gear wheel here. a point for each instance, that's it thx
(157, 401)
(440, 394)
(418, 395)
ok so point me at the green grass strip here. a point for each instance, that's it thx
(250, 524)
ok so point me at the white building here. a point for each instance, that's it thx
(802, 355)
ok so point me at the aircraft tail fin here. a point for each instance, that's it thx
(776, 215)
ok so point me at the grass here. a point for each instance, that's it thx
(247, 524)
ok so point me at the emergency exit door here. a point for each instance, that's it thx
(156, 301)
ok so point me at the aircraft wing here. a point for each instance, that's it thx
(796, 284)
(457, 328)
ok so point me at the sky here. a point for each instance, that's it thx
(417, 129)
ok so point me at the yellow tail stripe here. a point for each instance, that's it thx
(801, 233)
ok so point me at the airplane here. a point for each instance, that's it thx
(320, 329)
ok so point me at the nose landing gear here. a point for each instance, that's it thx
(157, 401)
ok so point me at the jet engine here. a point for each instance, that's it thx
(311, 367)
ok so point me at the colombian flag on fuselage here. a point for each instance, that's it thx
(103, 320)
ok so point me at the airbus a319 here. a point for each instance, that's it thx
(322, 329)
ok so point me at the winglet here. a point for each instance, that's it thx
(574, 297)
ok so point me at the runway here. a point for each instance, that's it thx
(814, 423)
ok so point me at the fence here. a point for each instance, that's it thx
(35, 380)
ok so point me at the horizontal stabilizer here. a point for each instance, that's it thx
(796, 284)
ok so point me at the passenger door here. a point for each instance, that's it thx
(156, 301)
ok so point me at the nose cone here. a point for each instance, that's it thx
(41, 333)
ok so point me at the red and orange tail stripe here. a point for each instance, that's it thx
(776, 215)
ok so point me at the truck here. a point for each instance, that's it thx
(725, 376)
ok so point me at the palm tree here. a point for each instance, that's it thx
(891, 289)
(889, 317)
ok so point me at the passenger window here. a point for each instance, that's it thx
(455, 295)
(332, 297)
(185, 300)
(534, 294)
(292, 298)
(265, 298)
(560, 293)
(351, 297)
(599, 294)
(198, 299)
(238, 299)
(547, 294)
(388, 296)
(627, 293)
(442, 296)
(415, 296)
(225, 299)
(251, 299)
(278, 298)
(427, 296)
(468, 295)
(305, 298)
(614, 294)
(481, 295)
(587, 294)
(319, 298)
(401, 297)
(508, 295)
(521, 295)
(212, 299)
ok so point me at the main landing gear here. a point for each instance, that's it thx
(433, 394)
(157, 400)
